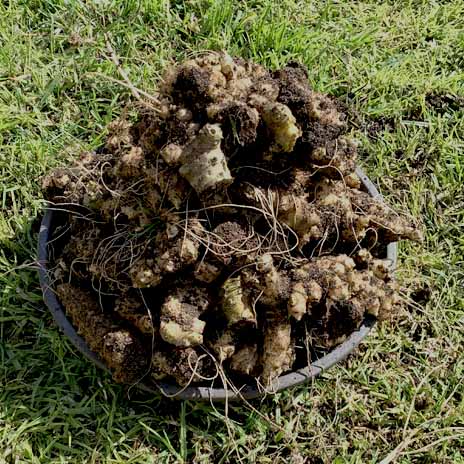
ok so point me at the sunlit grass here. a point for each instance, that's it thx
(400, 398)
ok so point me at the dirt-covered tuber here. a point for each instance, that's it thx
(222, 230)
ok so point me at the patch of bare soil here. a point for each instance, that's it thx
(444, 103)
(223, 231)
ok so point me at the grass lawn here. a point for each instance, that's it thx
(400, 66)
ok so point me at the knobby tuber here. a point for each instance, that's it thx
(235, 302)
(180, 323)
(203, 163)
(122, 350)
(278, 351)
(224, 229)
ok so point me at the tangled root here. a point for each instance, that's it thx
(172, 251)
(331, 209)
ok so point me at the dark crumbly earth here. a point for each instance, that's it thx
(223, 231)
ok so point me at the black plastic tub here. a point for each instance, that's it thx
(292, 379)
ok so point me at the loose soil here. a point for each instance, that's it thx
(224, 232)
(444, 103)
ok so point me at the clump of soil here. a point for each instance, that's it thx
(224, 228)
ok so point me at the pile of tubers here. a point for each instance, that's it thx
(222, 230)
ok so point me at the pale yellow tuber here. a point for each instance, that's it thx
(180, 324)
(297, 301)
(235, 302)
(278, 354)
(203, 162)
(281, 125)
